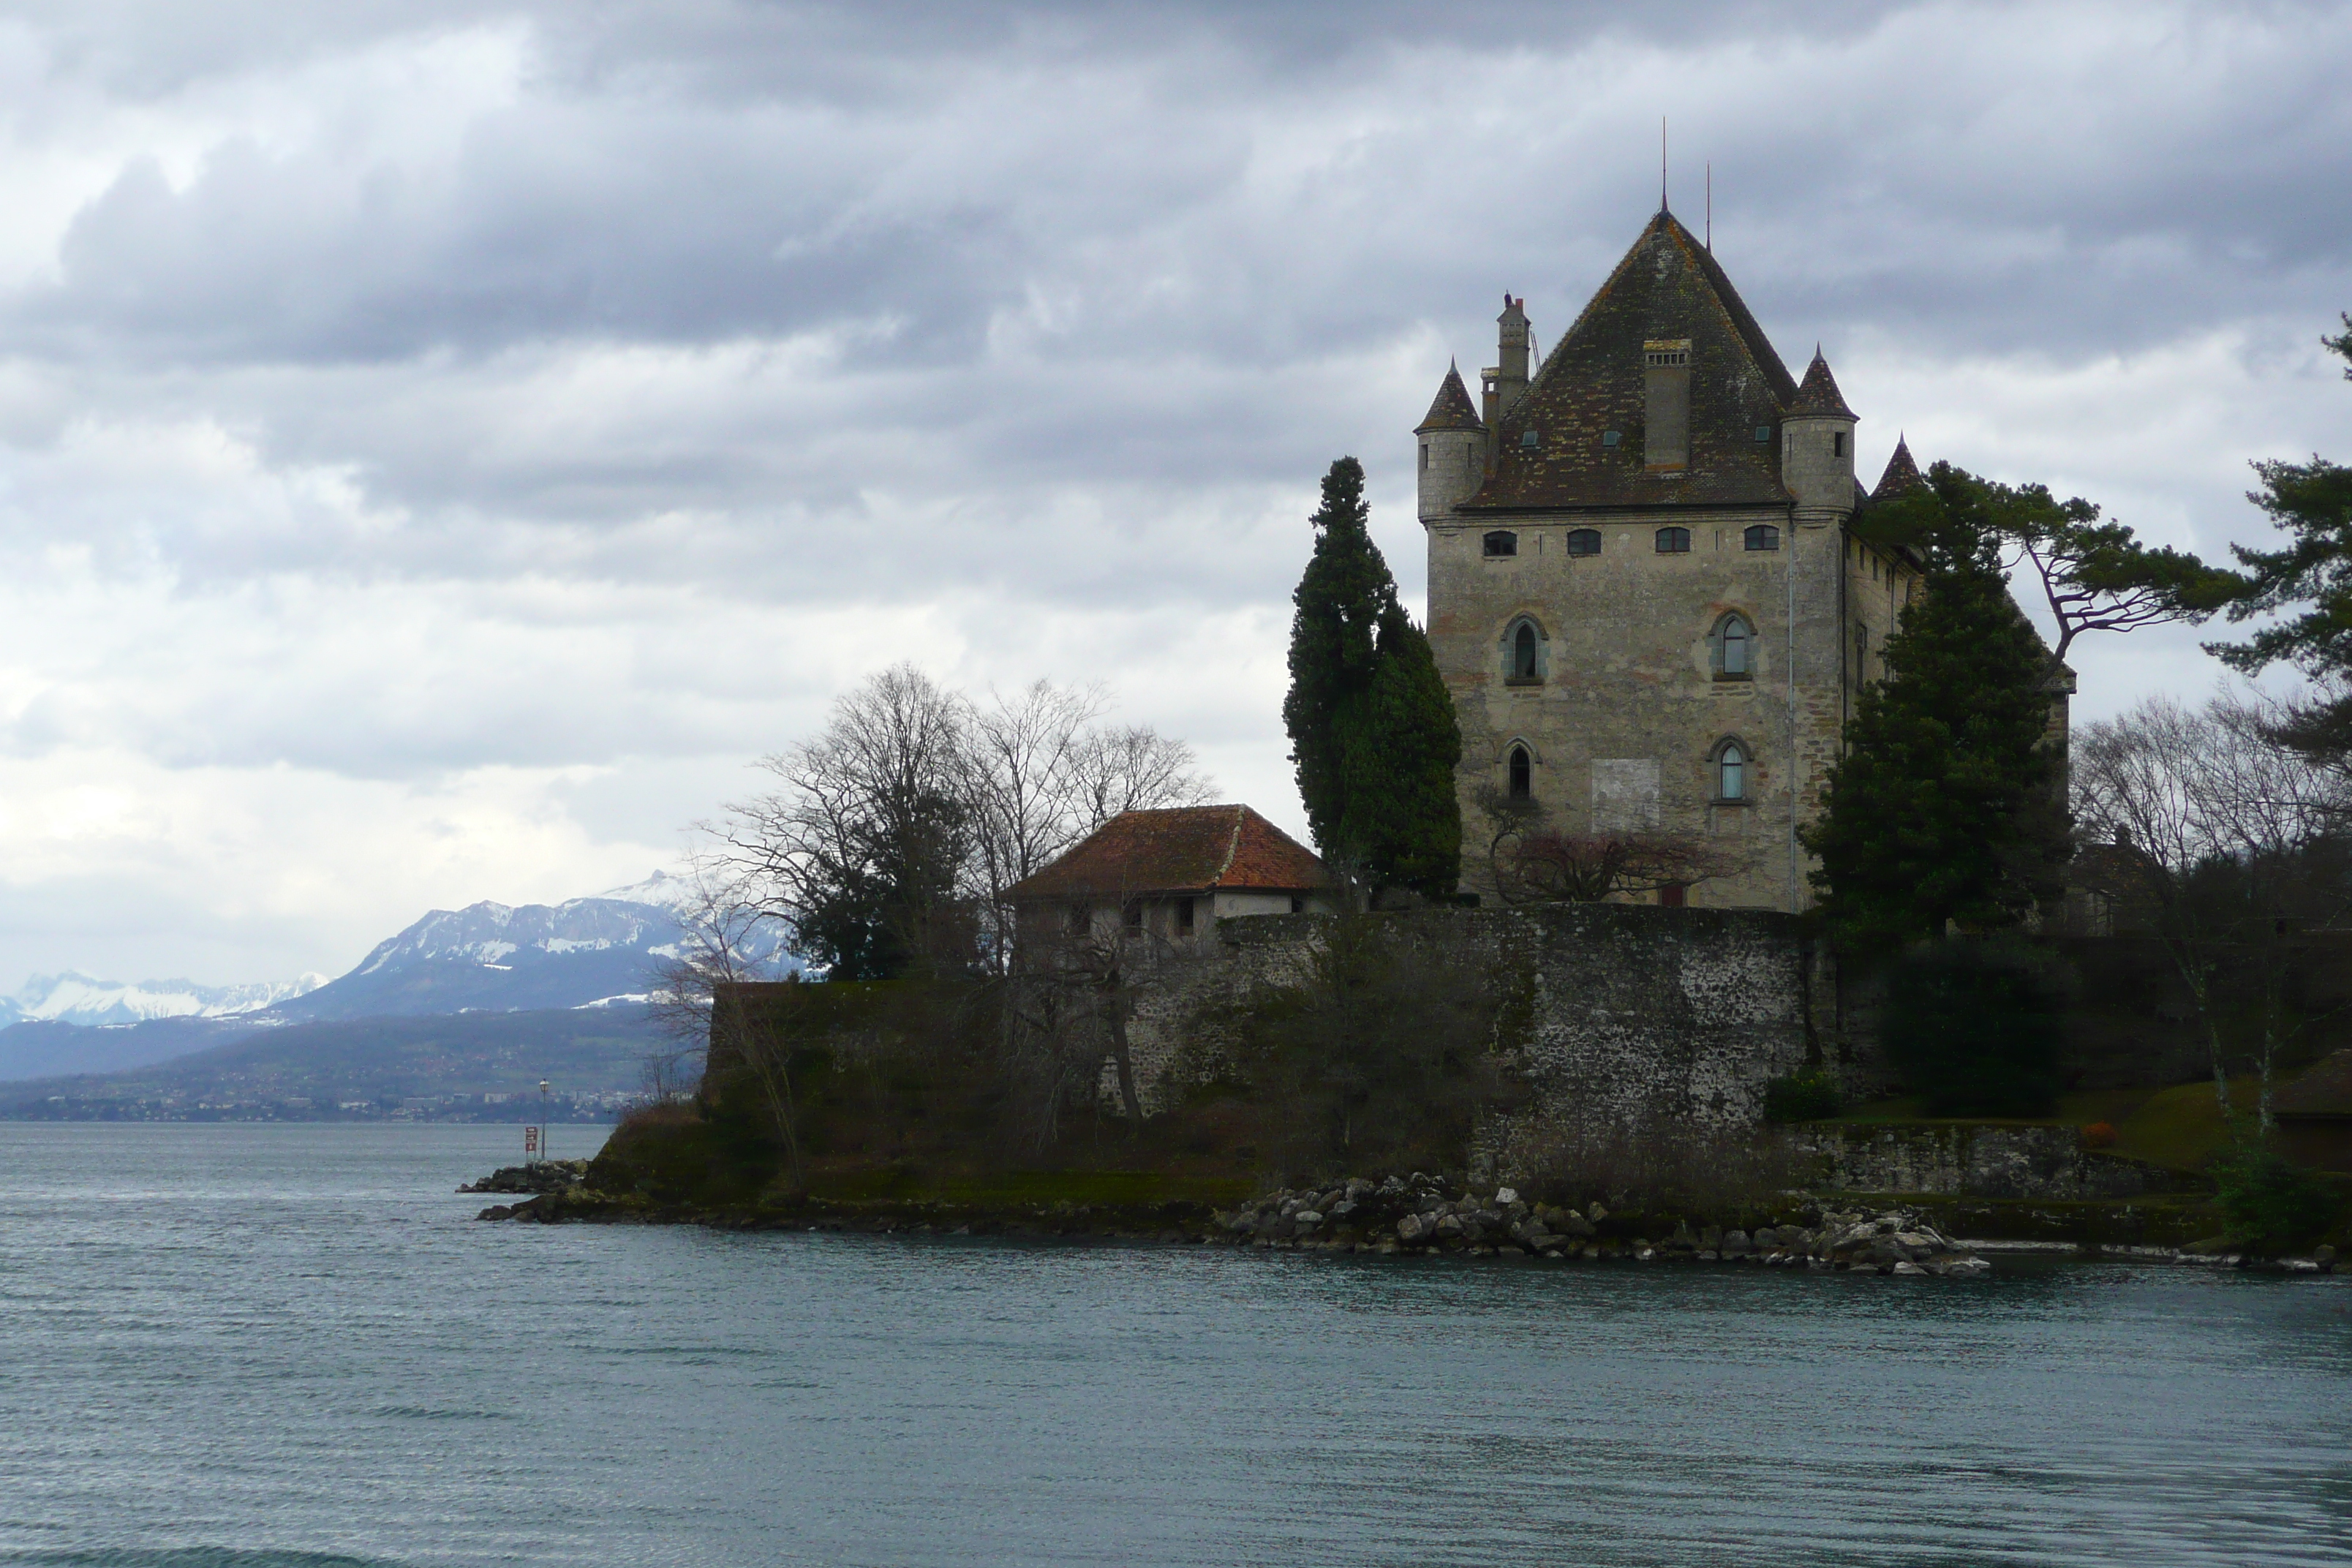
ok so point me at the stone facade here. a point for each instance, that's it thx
(1646, 589)
(1619, 1016)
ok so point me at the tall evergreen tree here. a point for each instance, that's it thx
(1371, 725)
(1942, 807)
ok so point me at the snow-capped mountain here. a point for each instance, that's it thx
(76, 998)
(499, 957)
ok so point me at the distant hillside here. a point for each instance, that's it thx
(76, 998)
(489, 956)
(591, 1054)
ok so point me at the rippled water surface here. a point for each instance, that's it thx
(232, 1347)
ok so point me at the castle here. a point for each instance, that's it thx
(1646, 591)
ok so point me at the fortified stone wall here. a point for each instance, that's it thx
(1613, 1016)
(1951, 1159)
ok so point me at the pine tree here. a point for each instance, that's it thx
(1371, 725)
(1942, 808)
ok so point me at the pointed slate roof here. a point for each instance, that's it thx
(1666, 287)
(1902, 474)
(1180, 849)
(1451, 409)
(1820, 393)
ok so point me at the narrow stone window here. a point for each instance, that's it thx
(1523, 654)
(1584, 541)
(1763, 536)
(1522, 774)
(1425, 456)
(1861, 651)
(1502, 543)
(1674, 541)
(1184, 915)
(1837, 444)
(1666, 397)
(1734, 648)
(1730, 771)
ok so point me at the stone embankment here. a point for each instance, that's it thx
(1425, 1214)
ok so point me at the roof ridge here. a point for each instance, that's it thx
(1232, 845)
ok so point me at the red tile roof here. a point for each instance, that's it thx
(1182, 849)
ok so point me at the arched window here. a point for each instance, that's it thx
(1734, 648)
(1502, 543)
(1522, 774)
(1584, 541)
(1525, 662)
(1730, 771)
(1674, 541)
(1763, 536)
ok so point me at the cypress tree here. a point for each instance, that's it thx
(1371, 725)
(1942, 807)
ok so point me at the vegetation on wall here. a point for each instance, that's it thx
(1372, 726)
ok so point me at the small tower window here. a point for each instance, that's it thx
(1674, 541)
(1525, 655)
(1522, 774)
(1837, 442)
(1730, 771)
(1425, 456)
(1584, 541)
(1734, 648)
(1763, 536)
(1502, 543)
(1530, 439)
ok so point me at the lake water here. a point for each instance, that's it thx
(238, 1347)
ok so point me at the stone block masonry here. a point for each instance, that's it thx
(1614, 1015)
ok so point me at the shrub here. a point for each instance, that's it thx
(2269, 1204)
(2099, 1135)
(1974, 1027)
(1809, 1096)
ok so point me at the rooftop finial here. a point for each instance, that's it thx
(1662, 166)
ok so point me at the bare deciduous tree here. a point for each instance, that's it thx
(1534, 865)
(2225, 835)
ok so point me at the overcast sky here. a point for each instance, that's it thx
(441, 445)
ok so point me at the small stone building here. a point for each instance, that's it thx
(1168, 876)
(1647, 590)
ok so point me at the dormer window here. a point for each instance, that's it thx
(1502, 542)
(1529, 440)
(1611, 437)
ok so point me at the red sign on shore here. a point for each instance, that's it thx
(531, 1140)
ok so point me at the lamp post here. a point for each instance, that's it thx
(544, 1152)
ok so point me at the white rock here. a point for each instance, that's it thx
(1506, 1196)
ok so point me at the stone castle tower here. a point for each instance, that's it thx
(1646, 592)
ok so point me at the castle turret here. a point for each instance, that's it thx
(1817, 444)
(1453, 449)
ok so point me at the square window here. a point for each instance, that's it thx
(1611, 437)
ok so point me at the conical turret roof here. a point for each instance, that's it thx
(1451, 409)
(1902, 474)
(1820, 393)
(1666, 287)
